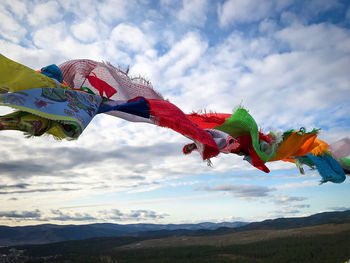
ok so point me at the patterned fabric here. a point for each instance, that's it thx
(72, 108)
(106, 80)
(31, 124)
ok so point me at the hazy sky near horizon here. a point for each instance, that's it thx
(286, 61)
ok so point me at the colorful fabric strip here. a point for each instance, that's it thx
(345, 164)
(329, 169)
(65, 106)
(166, 114)
(16, 77)
(297, 143)
(138, 106)
(241, 123)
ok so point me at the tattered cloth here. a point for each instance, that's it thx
(63, 100)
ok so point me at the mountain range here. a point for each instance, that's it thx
(49, 233)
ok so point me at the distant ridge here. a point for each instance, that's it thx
(284, 223)
(269, 224)
(48, 233)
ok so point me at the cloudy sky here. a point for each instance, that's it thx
(286, 61)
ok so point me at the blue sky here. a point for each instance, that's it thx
(286, 61)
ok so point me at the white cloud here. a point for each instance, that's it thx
(240, 190)
(48, 37)
(236, 49)
(217, 69)
(73, 216)
(316, 37)
(287, 200)
(9, 27)
(125, 41)
(169, 6)
(81, 10)
(314, 68)
(134, 215)
(284, 75)
(130, 38)
(245, 11)
(53, 38)
(45, 13)
(290, 18)
(115, 10)
(20, 214)
(319, 6)
(72, 49)
(347, 15)
(18, 8)
(183, 55)
(296, 185)
(31, 57)
(268, 26)
(167, 70)
(166, 3)
(86, 31)
(194, 12)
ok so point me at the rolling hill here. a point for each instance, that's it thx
(322, 237)
(44, 234)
